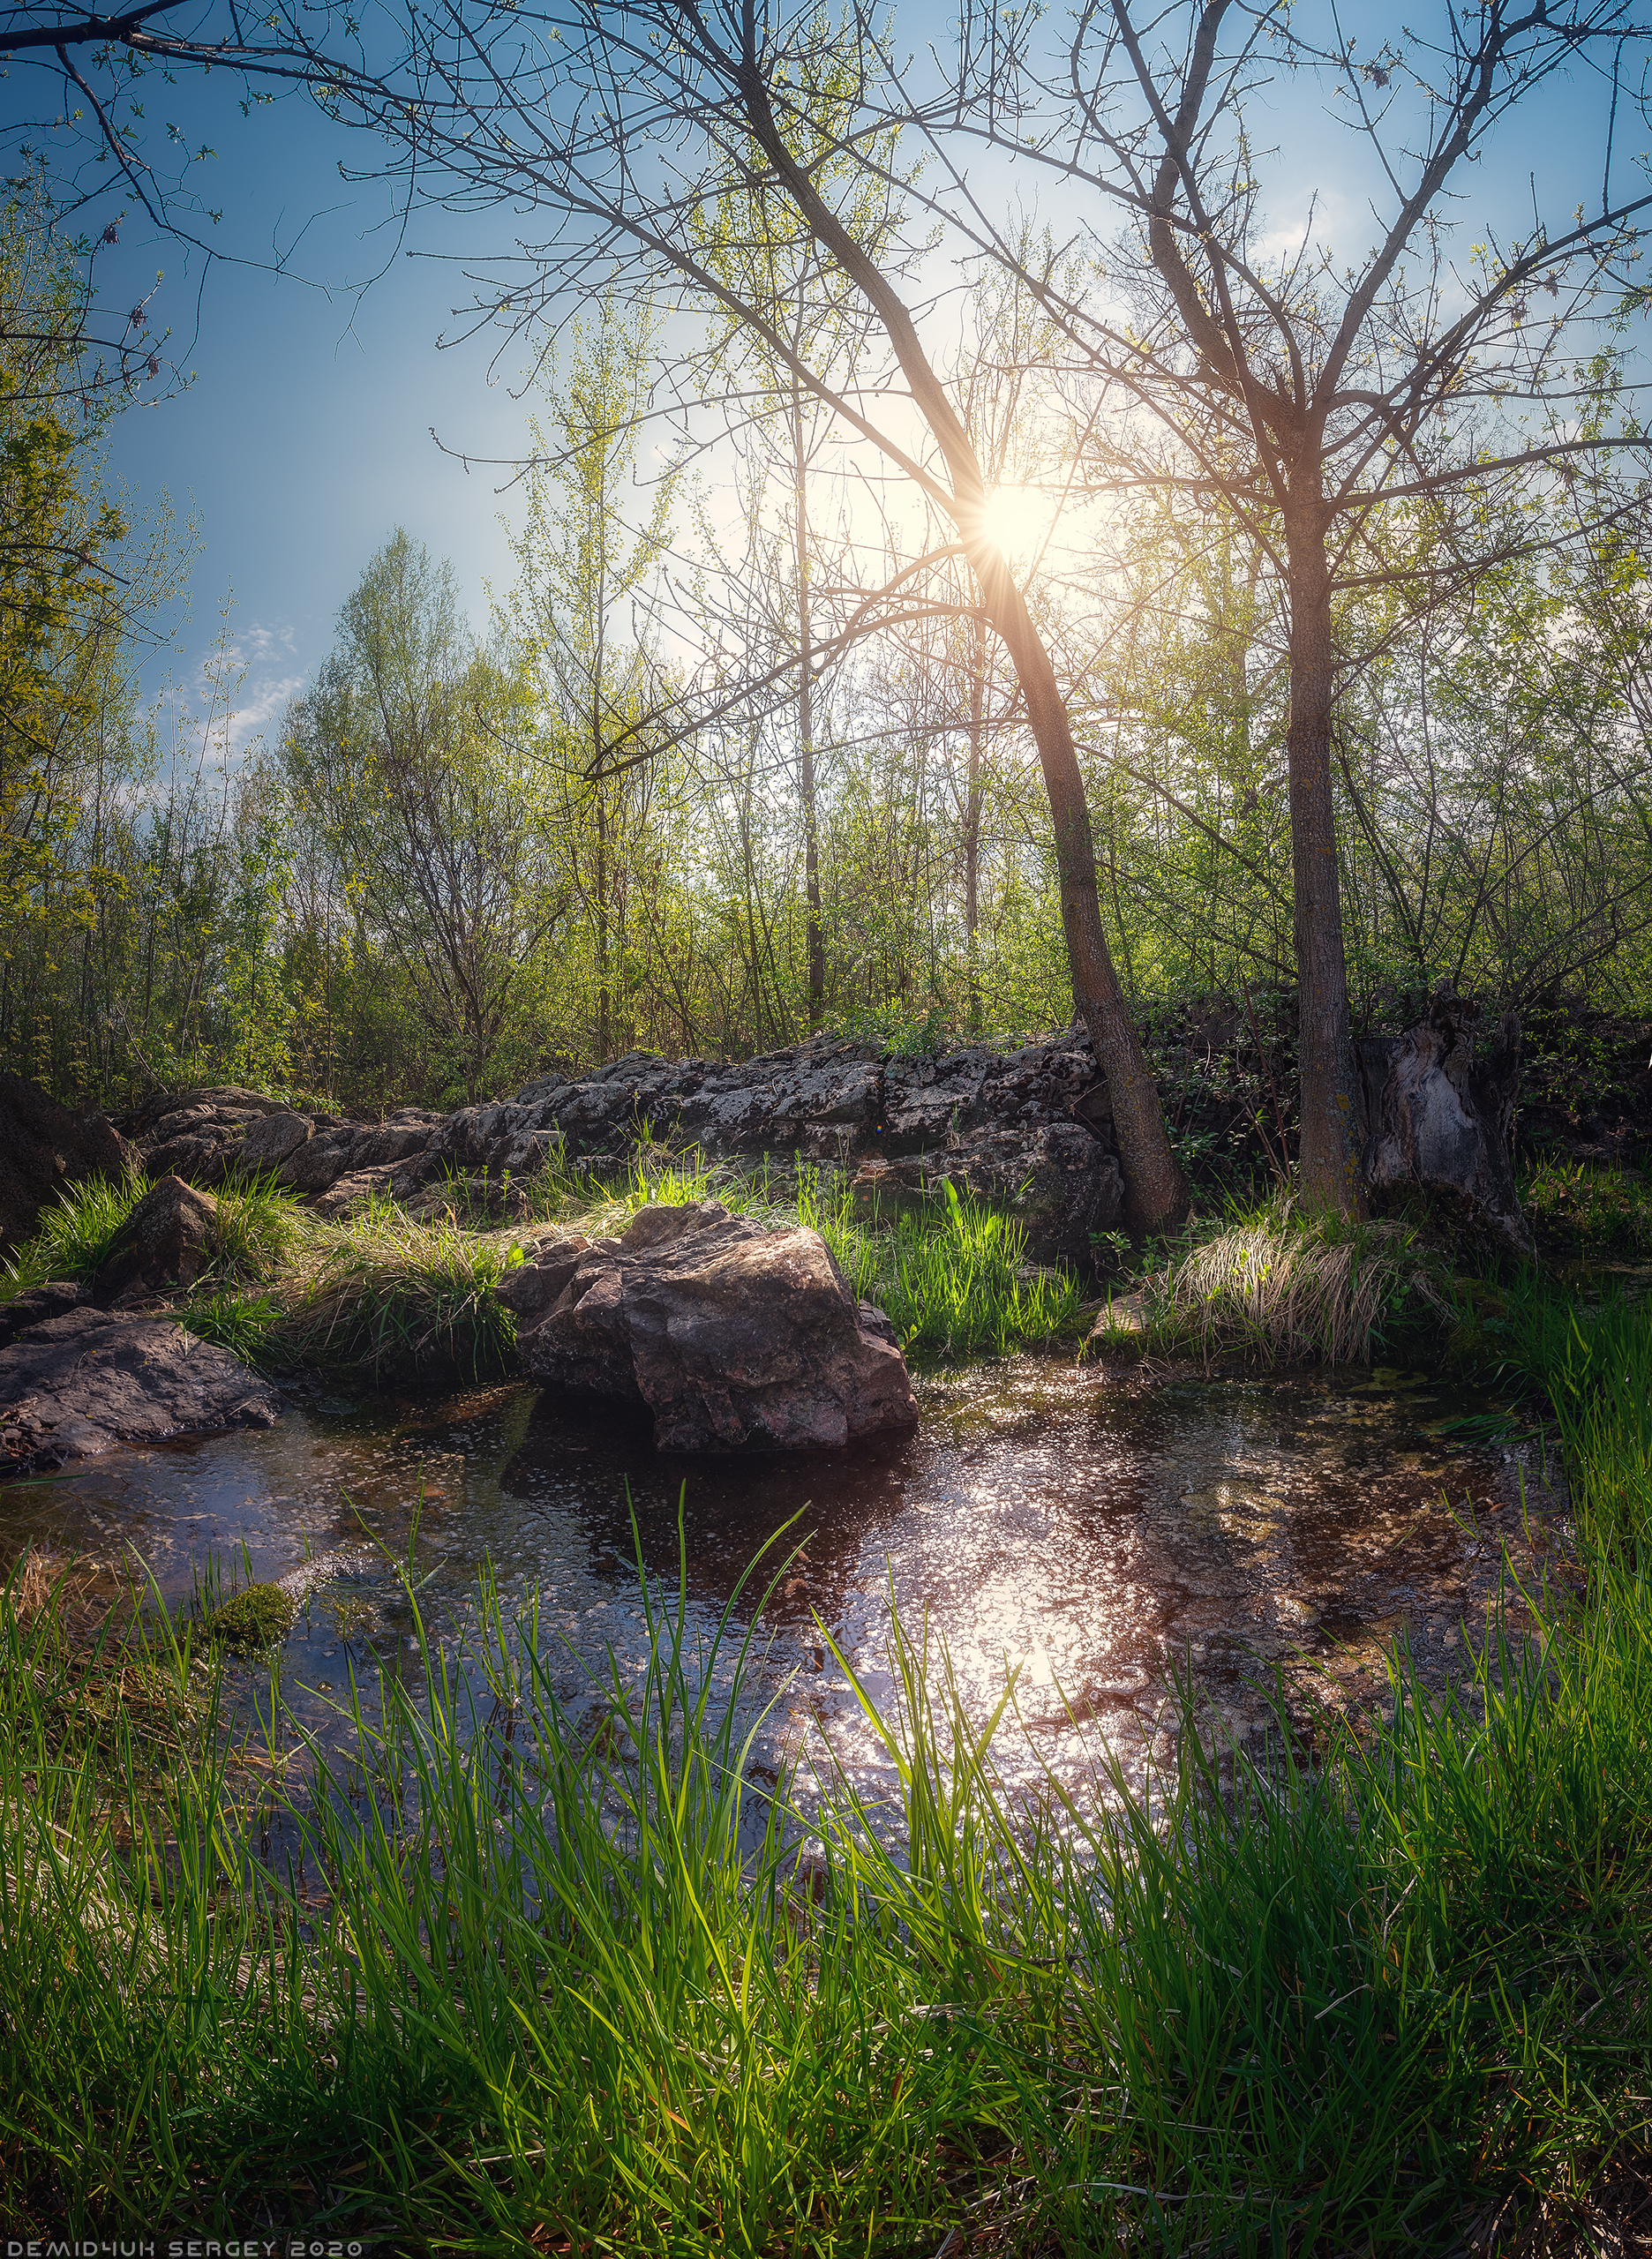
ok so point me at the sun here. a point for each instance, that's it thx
(1017, 519)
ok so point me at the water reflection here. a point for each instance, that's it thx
(1097, 1531)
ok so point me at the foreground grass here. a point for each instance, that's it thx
(531, 1986)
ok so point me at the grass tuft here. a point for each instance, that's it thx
(258, 1617)
(1278, 1285)
(395, 1295)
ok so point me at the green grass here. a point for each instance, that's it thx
(395, 1296)
(74, 1232)
(258, 1225)
(1575, 1207)
(535, 1979)
(1269, 1282)
(951, 1276)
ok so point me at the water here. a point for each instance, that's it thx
(1098, 1531)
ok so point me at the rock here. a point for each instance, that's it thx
(1120, 1318)
(273, 1137)
(168, 1241)
(1438, 1120)
(37, 1305)
(44, 1148)
(1057, 1179)
(1032, 1125)
(77, 1385)
(733, 1335)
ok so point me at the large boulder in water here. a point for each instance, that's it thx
(75, 1387)
(44, 1148)
(732, 1334)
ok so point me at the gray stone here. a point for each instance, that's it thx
(327, 1156)
(1032, 1126)
(1057, 1180)
(274, 1137)
(44, 1149)
(166, 1243)
(78, 1384)
(37, 1305)
(733, 1335)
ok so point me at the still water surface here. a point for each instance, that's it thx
(1097, 1530)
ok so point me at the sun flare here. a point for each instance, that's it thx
(1017, 519)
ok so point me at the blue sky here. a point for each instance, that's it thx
(303, 436)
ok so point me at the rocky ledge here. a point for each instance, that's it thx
(1031, 1128)
(74, 1386)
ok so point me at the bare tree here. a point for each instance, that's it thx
(1363, 409)
(616, 124)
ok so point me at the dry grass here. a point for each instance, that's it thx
(1279, 1285)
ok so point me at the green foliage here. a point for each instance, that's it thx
(258, 1617)
(1589, 1210)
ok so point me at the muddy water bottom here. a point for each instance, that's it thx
(1100, 1532)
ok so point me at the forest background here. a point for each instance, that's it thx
(677, 792)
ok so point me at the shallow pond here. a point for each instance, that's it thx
(1098, 1529)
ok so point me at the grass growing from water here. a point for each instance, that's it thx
(537, 1984)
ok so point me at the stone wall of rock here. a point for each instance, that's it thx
(1031, 1126)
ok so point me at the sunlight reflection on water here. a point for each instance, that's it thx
(1098, 1531)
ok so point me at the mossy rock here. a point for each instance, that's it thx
(254, 1620)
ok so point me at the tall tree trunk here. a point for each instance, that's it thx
(1155, 1193)
(973, 815)
(815, 939)
(1328, 1170)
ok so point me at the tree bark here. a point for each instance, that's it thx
(813, 937)
(1155, 1193)
(1329, 1138)
(973, 816)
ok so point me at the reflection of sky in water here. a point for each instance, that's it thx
(1096, 1531)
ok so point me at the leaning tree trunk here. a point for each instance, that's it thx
(1328, 1170)
(1155, 1191)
